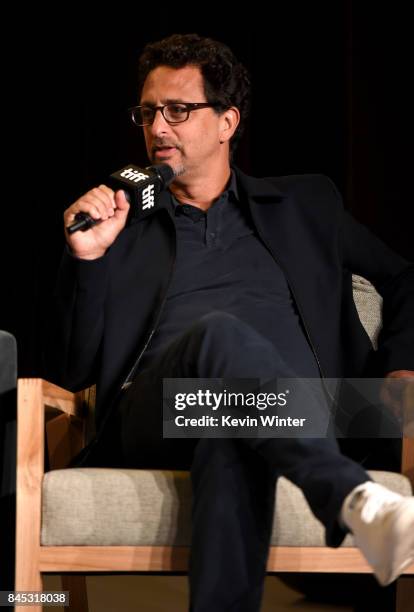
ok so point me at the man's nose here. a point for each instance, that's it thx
(159, 125)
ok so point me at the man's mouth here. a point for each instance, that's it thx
(164, 151)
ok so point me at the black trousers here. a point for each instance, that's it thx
(233, 480)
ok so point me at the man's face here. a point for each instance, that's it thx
(193, 145)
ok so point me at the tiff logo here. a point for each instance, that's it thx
(148, 199)
(133, 175)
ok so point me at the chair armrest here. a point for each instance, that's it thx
(42, 405)
(58, 399)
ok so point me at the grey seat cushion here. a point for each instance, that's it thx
(120, 507)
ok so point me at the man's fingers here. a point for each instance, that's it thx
(99, 203)
(121, 201)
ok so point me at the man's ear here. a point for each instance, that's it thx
(229, 120)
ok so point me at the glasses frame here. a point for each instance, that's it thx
(190, 106)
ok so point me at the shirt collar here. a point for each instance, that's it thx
(230, 192)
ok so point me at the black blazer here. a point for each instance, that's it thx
(104, 310)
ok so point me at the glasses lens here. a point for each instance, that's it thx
(142, 115)
(175, 112)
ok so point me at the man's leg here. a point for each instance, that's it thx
(233, 506)
(229, 488)
(221, 346)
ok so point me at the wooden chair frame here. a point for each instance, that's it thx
(42, 407)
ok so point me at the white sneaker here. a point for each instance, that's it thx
(382, 523)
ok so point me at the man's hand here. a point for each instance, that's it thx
(394, 389)
(99, 203)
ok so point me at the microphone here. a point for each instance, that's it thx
(141, 186)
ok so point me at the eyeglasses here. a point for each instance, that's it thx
(176, 112)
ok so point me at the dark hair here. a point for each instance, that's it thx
(226, 80)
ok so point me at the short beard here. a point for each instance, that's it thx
(180, 170)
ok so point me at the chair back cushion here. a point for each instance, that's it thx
(369, 306)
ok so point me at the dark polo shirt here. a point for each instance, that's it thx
(222, 265)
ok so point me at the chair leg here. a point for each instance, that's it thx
(405, 594)
(78, 595)
(32, 587)
(28, 578)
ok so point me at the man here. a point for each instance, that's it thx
(232, 277)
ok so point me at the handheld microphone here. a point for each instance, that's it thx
(141, 186)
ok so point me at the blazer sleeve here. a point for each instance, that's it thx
(393, 277)
(76, 322)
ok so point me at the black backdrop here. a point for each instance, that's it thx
(330, 83)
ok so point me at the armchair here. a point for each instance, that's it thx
(79, 520)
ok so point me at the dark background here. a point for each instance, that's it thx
(330, 83)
